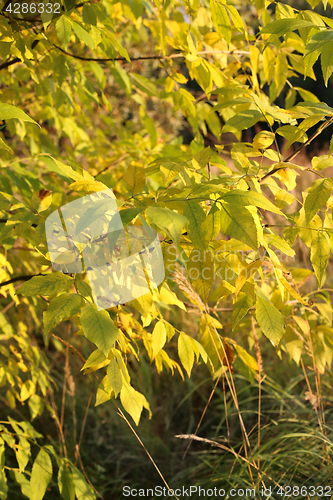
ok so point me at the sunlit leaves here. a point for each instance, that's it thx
(159, 337)
(186, 352)
(320, 249)
(196, 228)
(242, 120)
(7, 112)
(169, 221)
(250, 198)
(83, 35)
(133, 401)
(114, 376)
(281, 27)
(61, 308)
(237, 221)
(221, 20)
(134, 178)
(240, 308)
(41, 475)
(98, 327)
(200, 269)
(269, 318)
(66, 483)
(64, 30)
(318, 195)
(46, 285)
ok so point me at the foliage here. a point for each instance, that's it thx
(105, 89)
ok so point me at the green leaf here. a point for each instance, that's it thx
(169, 169)
(250, 198)
(320, 250)
(128, 214)
(281, 71)
(196, 230)
(186, 352)
(36, 406)
(7, 112)
(159, 337)
(200, 270)
(319, 42)
(237, 221)
(242, 120)
(327, 62)
(221, 20)
(318, 194)
(122, 78)
(46, 285)
(169, 221)
(41, 475)
(99, 328)
(132, 401)
(61, 308)
(65, 170)
(96, 358)
(87, 186)
(88, 14)
(281, 27)
(269, 318)
(83, 490)
(114, 376)
(83, 35)
(5, 146)
(240, 308)
(134, 178)
(145, 84)
(66, 483)
(64, 30)
(22, 453)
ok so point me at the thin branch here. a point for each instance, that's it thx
(301, 147)
(3, 221)
(120, 413)
(203, 414)
(142, 58)
(20, 278)
(72, 348)
(84, 473)
(82, 429)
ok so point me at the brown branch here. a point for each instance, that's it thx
(72, 348)
(16, 59)
(25, 278)
(142, 58)
(20, 278)
(3, 221)
(9, 63)
(300, 148)
(84, 473)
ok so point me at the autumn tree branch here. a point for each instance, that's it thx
(300, 148)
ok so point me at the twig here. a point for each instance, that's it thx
(120, 413)
(143, 58)
(203, 414)
(8, 306)
(298, 150)
(58, 423)
(82, 428)
(72, 348)
(3, 221)
(219, 445)
(20, 278)
(84, 473)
